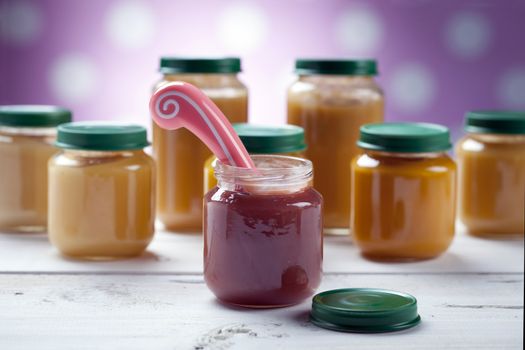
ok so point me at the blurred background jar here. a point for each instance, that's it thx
(403, 192)
(491, 159)
(101, 191)
(331, 100)
(287, 140)
(180, 154)
(27, 134)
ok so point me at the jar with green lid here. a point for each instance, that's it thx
(101, 191)
(403, 191)
(286, 140)
(491, 159)
(179, 153)
(331, 99)
(27, 134)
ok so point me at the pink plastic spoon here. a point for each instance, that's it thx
(182, 105)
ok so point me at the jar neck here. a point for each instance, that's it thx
(336, 78)
(28, 131)
(81, 153)
(405, 155)
(498, 138)
(275, 174)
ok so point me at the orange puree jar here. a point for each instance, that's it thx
(403, 191)
(180, 154)
(27, 134)
(101, 191)
(285, 140)
(491, 159)
(331, 99)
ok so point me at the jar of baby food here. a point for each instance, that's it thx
(262, 139)
(263, 244)
(179, 153)
(403, 191)
(27, 134)
(491, 159)
(331, 99)
(101, 191)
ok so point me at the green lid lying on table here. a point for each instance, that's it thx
(101, 136)
(33, 116)
(364, 310)
(270, 139)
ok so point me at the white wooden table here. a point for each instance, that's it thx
(470, 298)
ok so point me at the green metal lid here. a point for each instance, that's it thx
(172, 65)
(495, 122)
(364, 310)
(335, 67)
(100, 136)
(265, 139)
(33, 116)
(404, 137)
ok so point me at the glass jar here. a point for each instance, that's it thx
(286, 140)
(101, 191)
(179, 153)
(491, 159)
(263, 244)
(331, 99)
(27, 134)
(403, 191)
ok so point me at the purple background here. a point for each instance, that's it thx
(437, 58)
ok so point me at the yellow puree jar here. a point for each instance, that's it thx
(27, 134)
(491, 159)
(331, 100)
(179, 153)
(286, 140)
(101, 191)
(403, 191)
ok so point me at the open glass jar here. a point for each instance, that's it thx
(331, 99)
(403, 191)
(491, 159)
(27, 134)
(101, 191)
(263, 244)
(180, 154)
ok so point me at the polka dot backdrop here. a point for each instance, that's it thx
(437, 59)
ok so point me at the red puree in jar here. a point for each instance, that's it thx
(263, 240)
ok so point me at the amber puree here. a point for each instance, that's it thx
(180, 156)
(492, 184)
(331, 118)
(102, 204)
(23, 180)
(403, 206)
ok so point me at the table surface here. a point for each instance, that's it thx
(469, 298)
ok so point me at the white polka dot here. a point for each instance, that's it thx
(359, 30)
(73, 78)
(242, 27)
(468, 35)
(130, 24)
(511, 88)
(20, 22)
(412, 87)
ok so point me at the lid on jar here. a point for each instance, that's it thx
(495, 122)
(33, 116)
(101, 136)
(335, 67)
(172, 65)
(364, 310)
(260, 139)
(404, 137)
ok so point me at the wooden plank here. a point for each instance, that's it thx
(177, 253)
(461, 311)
